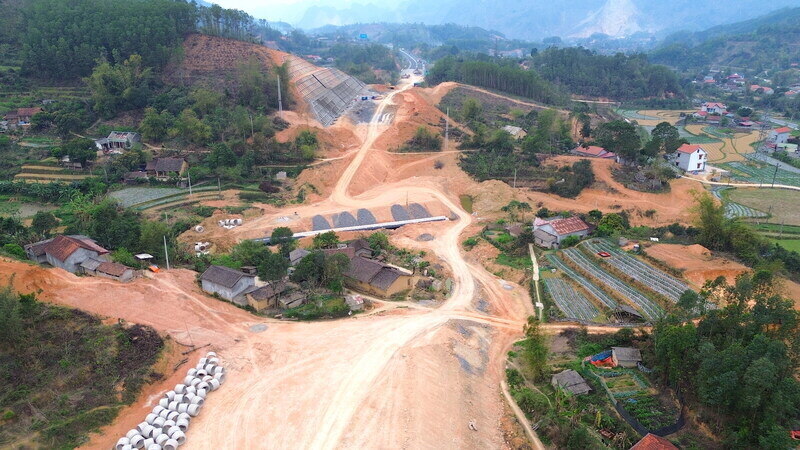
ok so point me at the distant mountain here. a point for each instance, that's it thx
(536, 19)
(767, 42)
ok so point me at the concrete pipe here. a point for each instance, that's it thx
(164, 413)
(183, 425)
(191, 372)
(202, 373)
(122, 442)
(194, 410)
(171, 444)
(197, 401)
(183, 407)
(211, 355)
(127, 447)
(188, 380)
(202, 385)
(202, 393)
(137, 441)
(188, 397)
(156, 433)
(150, 418)
(158, 409)
(195, 382)
(154, 447)
(147, 430)
(185, 416)
(190, 390)
(141, 426)
(209, 369)
(214, 361)
(132, 433)
(220, 377)
(168, 424)
(172, 415)
(203, 361)
(180, 398)
(208, 378)
(172, 430)
(164, 403)
(148, 443)
(173, 406)
(180, 437)
(170, 395)
(218, 369)
(163, 437)
(180, 388)
(159, 422)
(213, 384)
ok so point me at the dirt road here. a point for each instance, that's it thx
(400, 378)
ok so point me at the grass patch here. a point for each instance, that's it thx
(788, 244)
(466, 202)
(780, 203)
(320, 306)
(517, 262)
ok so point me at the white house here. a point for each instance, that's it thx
(780, 135)
(66, 252)
(691, 158)
(714, 108)
(550, 233)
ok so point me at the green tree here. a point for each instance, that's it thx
(119, 87)
(333, 271)
(379, 242)
(273, 267)
(78, 150)
(328, 239)
(619, 137)
(10, 320)
(151, 237)
(471, 110)
(711, 222)
(283, 236)
(611, 224)
(205, 100)
(43, 222)
(155, 126)
(535, 350)
(220, 156)
(665, 138)
(190, 127)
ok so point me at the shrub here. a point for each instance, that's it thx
(15, 250)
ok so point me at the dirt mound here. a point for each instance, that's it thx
(413, 111)
(435, 94)
(697, 262)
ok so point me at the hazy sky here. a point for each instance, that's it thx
(287, 10)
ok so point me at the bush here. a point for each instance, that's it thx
(15, 250)
(423, 141)
(569, 241)
(469, 243)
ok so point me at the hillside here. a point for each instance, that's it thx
(770, 41)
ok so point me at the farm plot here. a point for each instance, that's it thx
(752, 173)
(137, 195)
(733, 209)
(571, 302)
(647, 306)
(655, 279)
(582, 281)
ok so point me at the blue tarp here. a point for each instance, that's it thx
(601, 356)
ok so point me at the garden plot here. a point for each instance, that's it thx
(136, 195)
(647, 306)
(571, 302)
(581, 280)
(655, 279)
(733, 209)
(751, 173)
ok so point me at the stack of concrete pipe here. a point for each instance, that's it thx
(165, 427)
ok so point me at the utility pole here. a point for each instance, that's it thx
(775, 174)
(515, 177)
(166, 253)
(280, 100)
(189, 175)
(219, 188)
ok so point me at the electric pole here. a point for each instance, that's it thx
(775, 174)
(166, 253)
(190, 183)
(280, 101)
(447, 129)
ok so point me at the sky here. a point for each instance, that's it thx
(284, 10)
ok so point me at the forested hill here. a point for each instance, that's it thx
(619, 77)
(60, 40)
(767, 42)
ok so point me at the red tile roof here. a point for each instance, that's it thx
(569, 225)
(782, 130)
(713, 105)
(689, 148)
(28, 112)
(113, 269)
(61, 247)
(653, 442)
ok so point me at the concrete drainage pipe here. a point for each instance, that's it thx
(127, 447)
(207, 378)
(220, 377)
(147, 431)
(170, 395)
(137, 441)
(172, 415)
(201, 373)
(159, 422)
(183, 424)
(164, 403)
(180, 398)
(188, 397)
(179, 437)
(170, 444)
(202, 385)
(191, 390)
(122, 442)
(219, 370)
(150, 418)
(132, 433)
(183, 407)
(197, 401)
(203, 362)
(148, 442)
(195, 382)
(156, 433)
(173, 406)
(180, 388)
(214, 361)
(154, 447)
(209, 368)
(202, 393)
(164, 413)
(168, 424)
(161, 439)
(210, 355)
(184, 416)
(213, 384)
(158, 409)
(192, 372)
(194, 410)
(188, 380)
(141, 426)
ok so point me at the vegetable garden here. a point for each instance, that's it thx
(570, 301)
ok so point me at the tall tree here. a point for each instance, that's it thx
(619, 137)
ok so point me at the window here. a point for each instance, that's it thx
(699, 164)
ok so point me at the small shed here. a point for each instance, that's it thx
(281, 175)
(626, 356)
(115, 271)
(571, 381)
(265, 296)
(653, 442)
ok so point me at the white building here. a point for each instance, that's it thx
(780, 135)
(550, 233)
(714, 108)
(691, 158)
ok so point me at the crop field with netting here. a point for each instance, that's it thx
(571, 302)
(590, 287)
(653, 278)
(650, 309)
(751, 173)
(733, 209)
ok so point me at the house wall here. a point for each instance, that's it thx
(779, 138)
(543, 239)
(689, 162)
(404, 282)
(126, 276)
(260, 305)
(228, 293)
(73, 262)
(623, 362)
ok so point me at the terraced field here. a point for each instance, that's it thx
(655, 279)
(143, 198)
(733, 209)
(649, 308)
(757, 173)
(590, 287)
(571, 302)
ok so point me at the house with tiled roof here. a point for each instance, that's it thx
(714, 108)
(653, 442)
(21, 117)
(165, 168)
(550, 233)
(377, 278)
(230, 284)
(66, 252)
(118, 140)
(594, 151)
(779, 135)
(691, 158)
